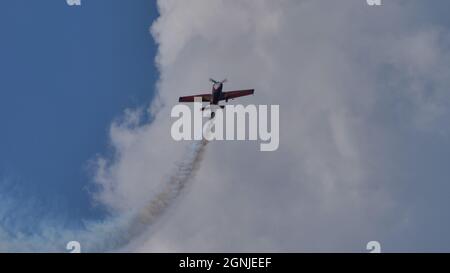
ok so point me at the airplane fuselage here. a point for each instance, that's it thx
(216, 93)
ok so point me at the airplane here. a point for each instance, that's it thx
(218, 95)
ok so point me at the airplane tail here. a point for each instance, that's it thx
(213, 114)
(221, 107)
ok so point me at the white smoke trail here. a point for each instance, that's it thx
(139, 222)
(114, 233)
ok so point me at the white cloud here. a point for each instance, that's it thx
(348, 78)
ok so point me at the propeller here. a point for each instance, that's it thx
(214, 81)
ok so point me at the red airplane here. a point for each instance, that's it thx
(218, 95)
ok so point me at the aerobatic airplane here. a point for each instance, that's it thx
(218, 95)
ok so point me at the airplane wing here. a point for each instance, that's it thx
(205, 98)
(235, 94)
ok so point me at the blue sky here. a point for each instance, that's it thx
(66, 74)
